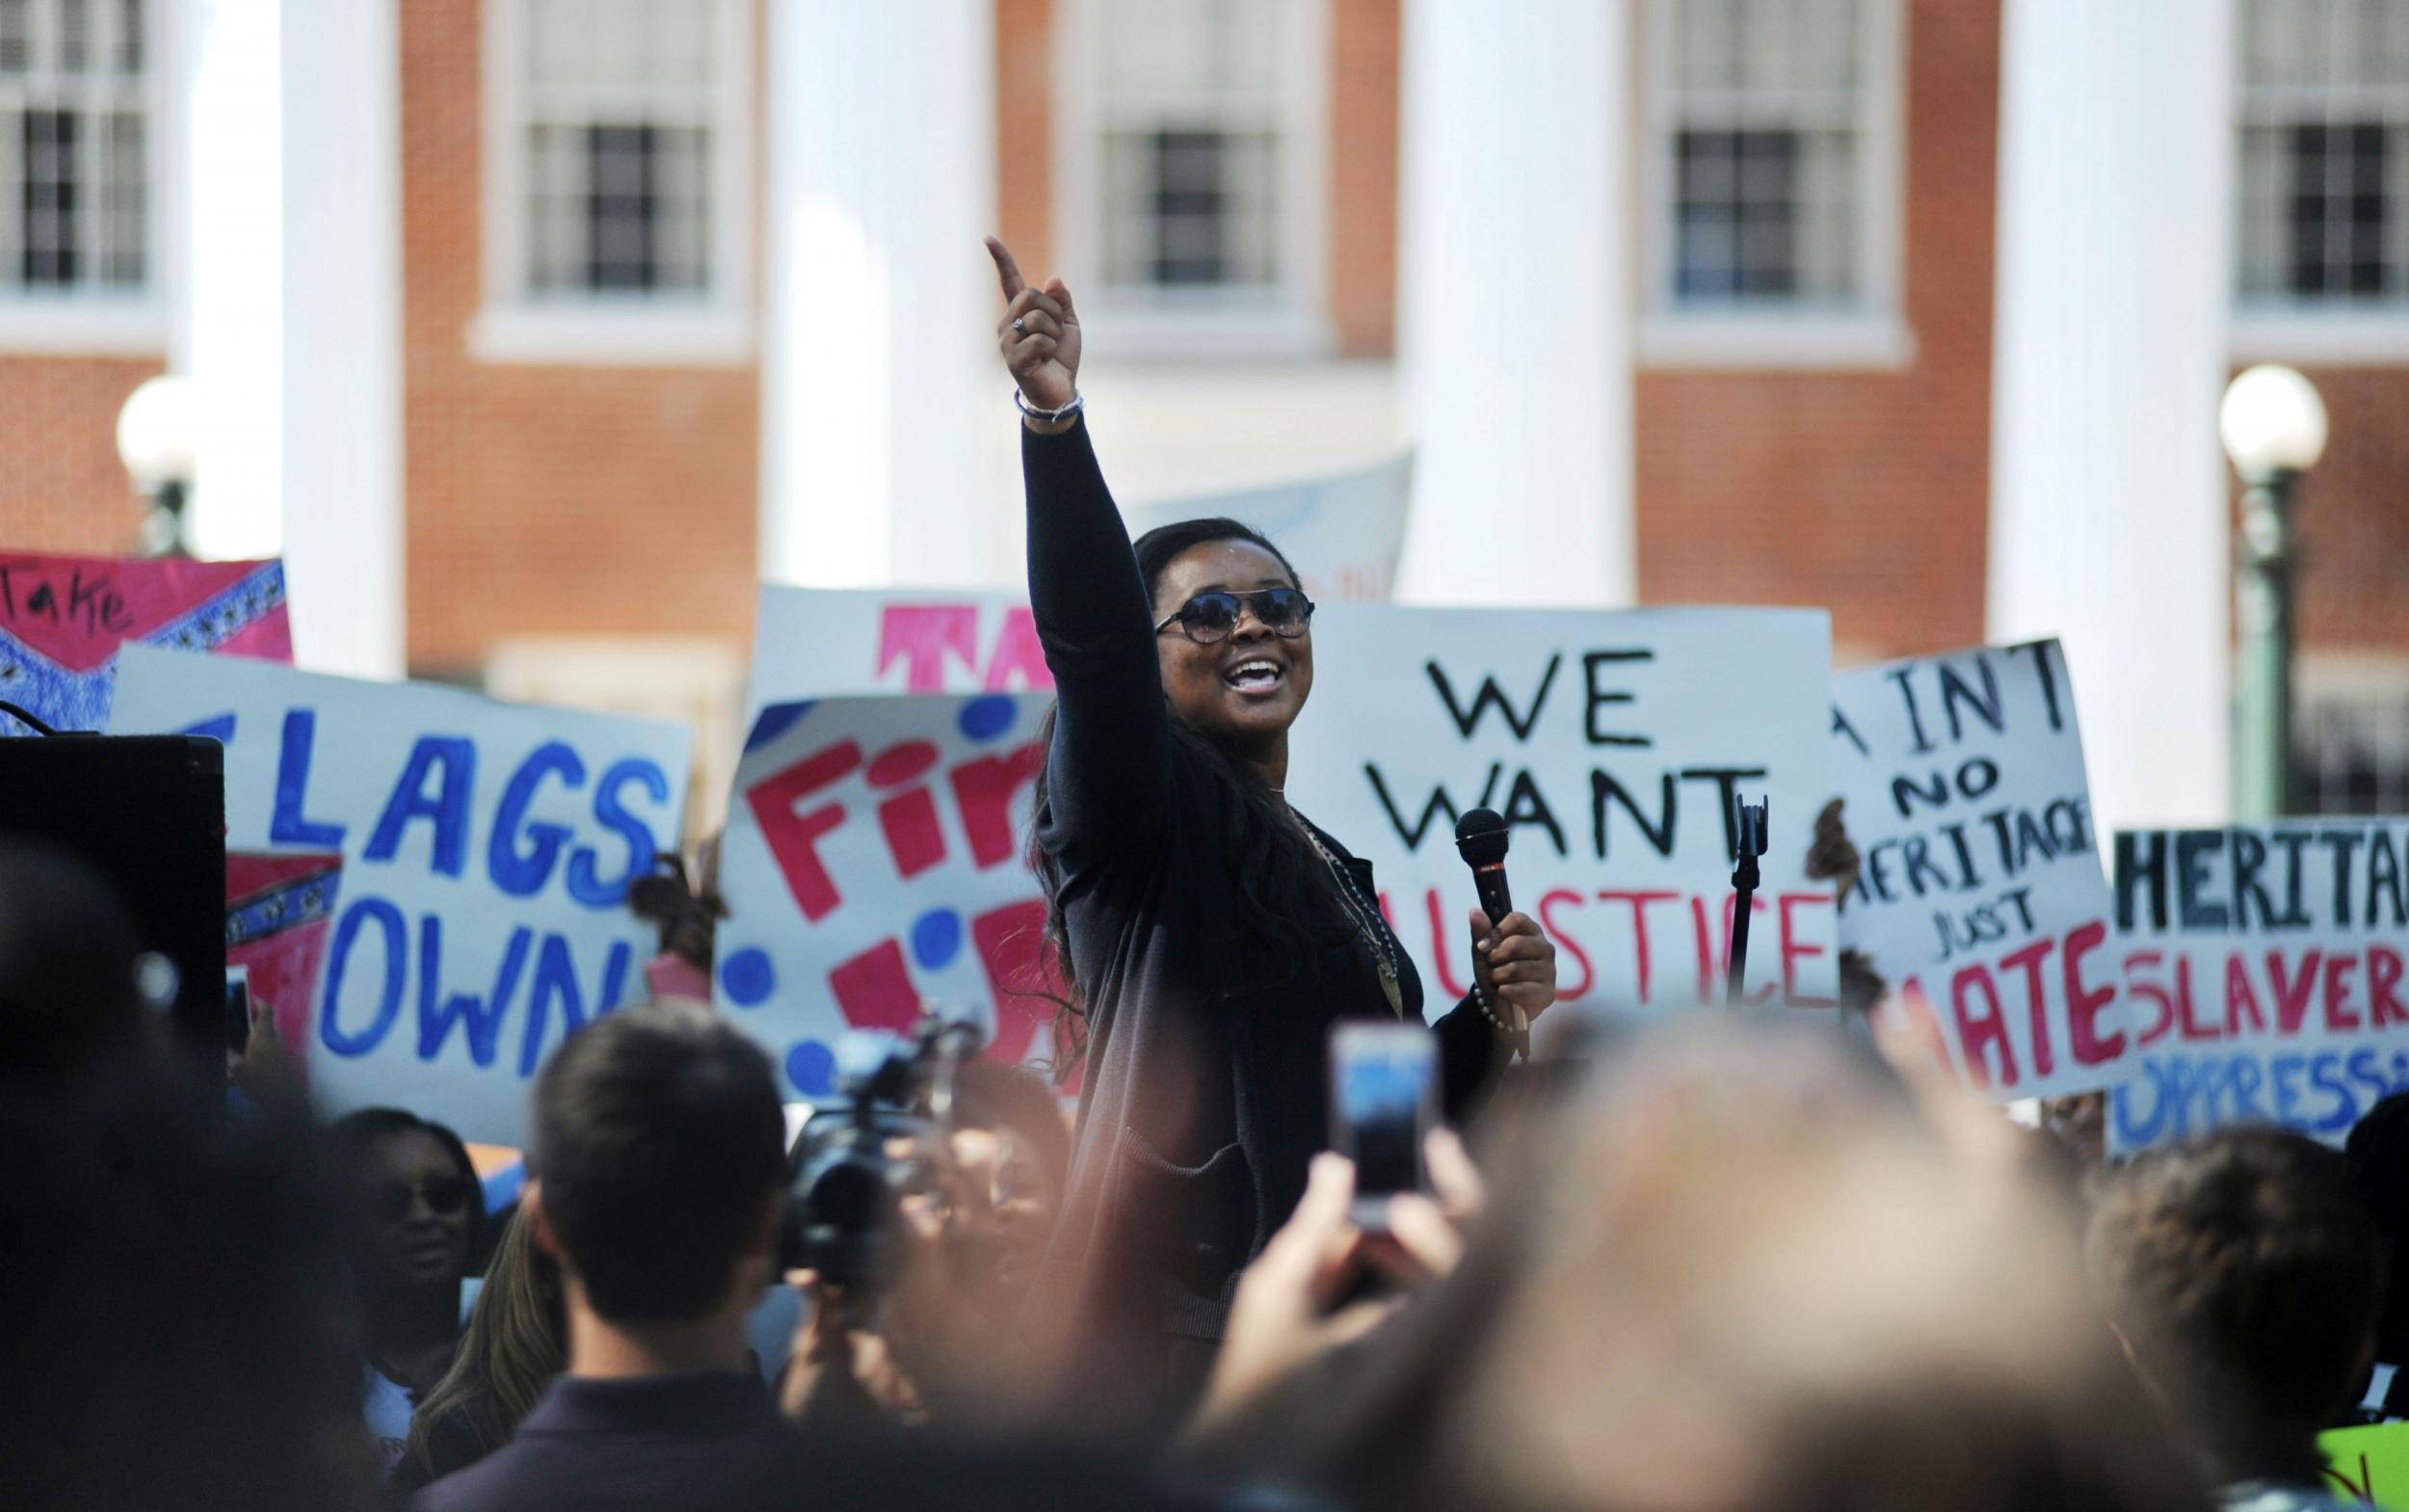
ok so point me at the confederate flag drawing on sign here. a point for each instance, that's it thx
(62, 618)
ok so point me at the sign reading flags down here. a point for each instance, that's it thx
(1979, 890)
(2263, 966)
(1614, 744)
(874, 867)
(62, 618)
(486, 852)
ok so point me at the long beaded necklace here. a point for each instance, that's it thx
(1366, 915)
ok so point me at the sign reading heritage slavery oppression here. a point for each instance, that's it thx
(2264, 967)
(1979, 890)
(873, 866)
(486, 852)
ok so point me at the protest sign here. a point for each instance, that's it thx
(2370, 1463)
(873, 865)
(2263, 967)
(1614, 744)
(62, 618)
(277, 910)
(1979, 889)
(486, 852)
(1343, 534)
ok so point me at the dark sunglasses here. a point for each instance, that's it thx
(445, 1195)
(1211, 617)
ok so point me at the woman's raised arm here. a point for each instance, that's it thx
(1109, 766)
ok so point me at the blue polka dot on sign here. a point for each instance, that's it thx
(983, 719)
(811, 1069)
(936, 938)
(748, 978)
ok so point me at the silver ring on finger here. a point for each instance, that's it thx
(1019, 326)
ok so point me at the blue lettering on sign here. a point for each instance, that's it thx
(286, 823)
(330, 1031)
(523, 873)
(481, 1017)
(2320, 1093)
(446, 807)
(556, 981)
(584, 885)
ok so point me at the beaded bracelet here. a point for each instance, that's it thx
(1480, 1001)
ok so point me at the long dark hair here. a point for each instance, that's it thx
(1287, 900)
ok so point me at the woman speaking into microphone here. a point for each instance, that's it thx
(1209, 934)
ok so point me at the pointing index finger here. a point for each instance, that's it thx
(1007, 270)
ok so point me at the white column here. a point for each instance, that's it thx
(881, 394)
(2108, 513)
(291, 309)
(1516, 301)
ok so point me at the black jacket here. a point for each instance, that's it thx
(1206, 1088)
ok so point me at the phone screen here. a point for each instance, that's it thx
(1382, 1101)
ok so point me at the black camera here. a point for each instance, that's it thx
(864, 1149)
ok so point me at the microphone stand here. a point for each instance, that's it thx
(1748, 842)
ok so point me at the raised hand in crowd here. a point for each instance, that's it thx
(1295, 1303)
(1039, 336)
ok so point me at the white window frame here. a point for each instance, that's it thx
(2305, 330)
(515, 327)
(1295, 322)
(1877, 335)
(119, 322)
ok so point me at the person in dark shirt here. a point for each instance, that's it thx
(656, 1172)
(1210, 934)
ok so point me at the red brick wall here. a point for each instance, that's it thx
(1364, 76)
(1024, 132)
(61, 487)
(571, 499)
(2352, 517)
(1866, 491)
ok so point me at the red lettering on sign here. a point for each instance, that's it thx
(985, 789)
(793, 839)
(2384, 1006)
(2083, 1004)
(2338, 1013)
(922, 634)
(2291, 992)
(1566, 944)
(874, 991)
(1979, 1031)
(1795, 949)
(1639, 902)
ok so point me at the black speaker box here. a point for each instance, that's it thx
(147, 812)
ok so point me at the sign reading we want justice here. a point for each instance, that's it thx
(2263, 967)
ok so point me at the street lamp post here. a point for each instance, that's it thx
(156, 440)
(2273, 427)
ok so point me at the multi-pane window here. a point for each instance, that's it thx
(618, 131)
(74, 147)
(2324, 153)
(1767, 121)
(2350, 750)
(1194, 111)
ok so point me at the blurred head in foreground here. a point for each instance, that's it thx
(2246, 1279)
(67, 949)
(174, 1340)
(2378, 1158)
(659, 1162)
(1740, 1272)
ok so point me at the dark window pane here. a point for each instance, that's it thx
(620, 207)
(2336, 213)
(1191, 200)
(1737, 216)
(47, 198)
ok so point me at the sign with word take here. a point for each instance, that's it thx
(873, 868)
(62, 618)
(1979, 887)
(2263, 967)
(486, 852)
(1615, 745)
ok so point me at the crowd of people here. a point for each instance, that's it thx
(1727, 1261)
(1738, 1264)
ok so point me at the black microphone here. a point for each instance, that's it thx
(1480, 838)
